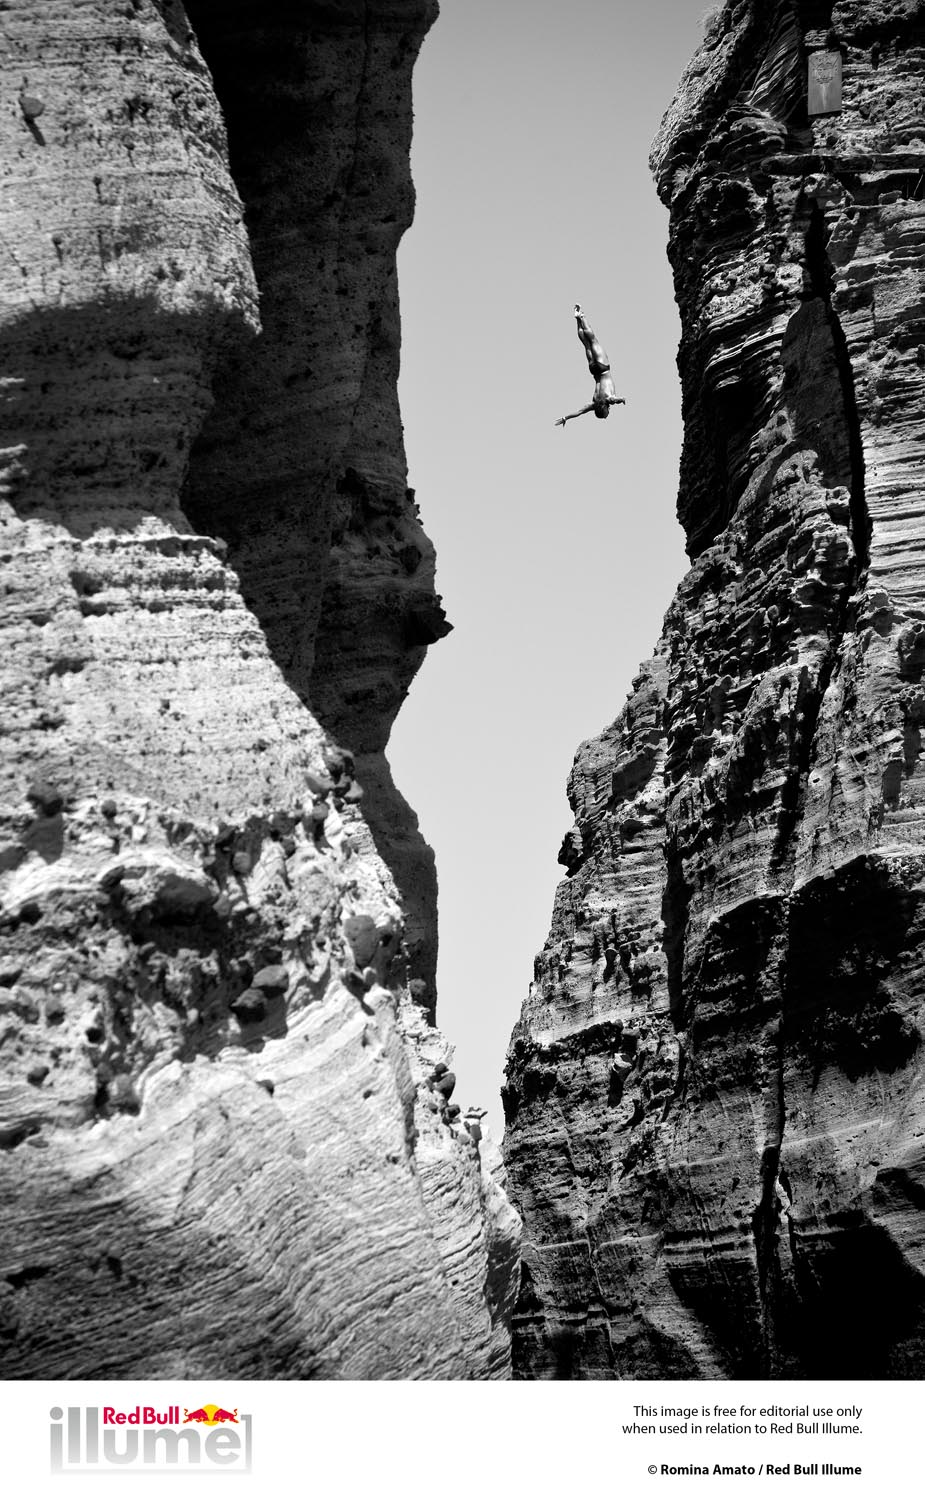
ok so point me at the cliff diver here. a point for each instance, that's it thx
(604, 394)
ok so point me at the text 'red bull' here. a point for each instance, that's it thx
(141, 1416)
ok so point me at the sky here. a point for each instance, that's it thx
(558, 549)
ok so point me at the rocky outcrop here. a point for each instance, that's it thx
(227, 1136)
(716, 1092)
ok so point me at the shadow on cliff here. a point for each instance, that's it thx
(834, 1294)
(300, 465)
(101, 406)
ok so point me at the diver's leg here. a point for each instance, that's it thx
(586, 336)
(597, 354)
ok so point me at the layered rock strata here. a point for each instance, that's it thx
(716, 1092)
(226, 1135)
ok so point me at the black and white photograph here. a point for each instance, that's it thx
(462, 698)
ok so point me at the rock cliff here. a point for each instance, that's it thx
(226, 1136)
(716, 1091)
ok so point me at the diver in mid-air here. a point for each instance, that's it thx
(605, 395)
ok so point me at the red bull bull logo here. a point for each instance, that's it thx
(210, 1415)
(150, 1437)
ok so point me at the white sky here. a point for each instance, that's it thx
(558, 550)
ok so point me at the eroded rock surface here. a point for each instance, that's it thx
(716, 1094)
(224, 1140)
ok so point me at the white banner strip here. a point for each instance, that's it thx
(478, 1441)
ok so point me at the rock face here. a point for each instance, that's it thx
(226, 1139)
(716, 1092)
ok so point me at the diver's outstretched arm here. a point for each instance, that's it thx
(572, 414)
(611, 401)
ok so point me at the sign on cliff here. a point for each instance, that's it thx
(824, 83)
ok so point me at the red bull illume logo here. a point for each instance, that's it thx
(177, 1437)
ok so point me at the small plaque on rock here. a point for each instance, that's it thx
(824, 83)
